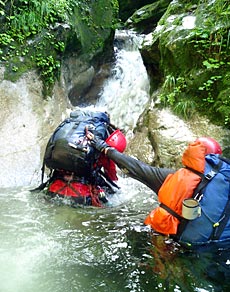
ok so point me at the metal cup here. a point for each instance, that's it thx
(191, 209)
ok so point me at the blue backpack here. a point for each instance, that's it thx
(214, 191)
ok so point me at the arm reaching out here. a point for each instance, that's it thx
(152, 177)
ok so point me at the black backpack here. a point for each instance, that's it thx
(68, 148)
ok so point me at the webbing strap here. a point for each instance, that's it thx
(171, 211)
(58, 128)
(195, 171)
(207, 178)
(43, 184)
(100, 172)
(73, 129)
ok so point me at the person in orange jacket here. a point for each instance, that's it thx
(160, 219)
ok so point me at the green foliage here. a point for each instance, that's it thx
(213, 49)
(172, 88)
(30, 17)
(47, 66)
(185, 108)
(115, 5)
(24, 20)
(30, 29)
(199, 86)
(2, 6)
(93, 22)
(5, 39)
(174, 94)
(222, 106)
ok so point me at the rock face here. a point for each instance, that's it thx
(164, 137)
(145, 19)
(28, 120)
(26, 123)
(180, 52)
(128, 7)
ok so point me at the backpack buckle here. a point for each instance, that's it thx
(210, 175)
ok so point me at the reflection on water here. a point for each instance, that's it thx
(47, 247)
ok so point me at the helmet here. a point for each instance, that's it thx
(117, 140)
(212, 146)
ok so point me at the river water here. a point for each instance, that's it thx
(51, 247)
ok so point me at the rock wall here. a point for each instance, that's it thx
(185, 68)
(26, 123)
(164, 136)
(28, 119)
(186, 55)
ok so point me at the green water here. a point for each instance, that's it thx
(50, 248)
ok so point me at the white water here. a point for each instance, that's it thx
(126, 93)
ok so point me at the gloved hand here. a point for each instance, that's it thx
(99, 144)
(96, 141)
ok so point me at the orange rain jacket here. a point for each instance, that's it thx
(176, 188)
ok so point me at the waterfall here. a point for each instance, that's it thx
(126, 93)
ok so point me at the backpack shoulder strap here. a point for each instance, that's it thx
(43, 184)
(205, 180)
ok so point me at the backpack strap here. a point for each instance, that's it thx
(58, 128)
(108, 179)
(170, 211)
(224, 159)
(72, 130)
(43, 184)
(197, 194)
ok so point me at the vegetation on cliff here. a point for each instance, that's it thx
(188, 58)
(39, 33)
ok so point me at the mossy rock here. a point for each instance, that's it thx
(145, 19)
(128, 7)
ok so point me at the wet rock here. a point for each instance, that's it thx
(164, 137)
